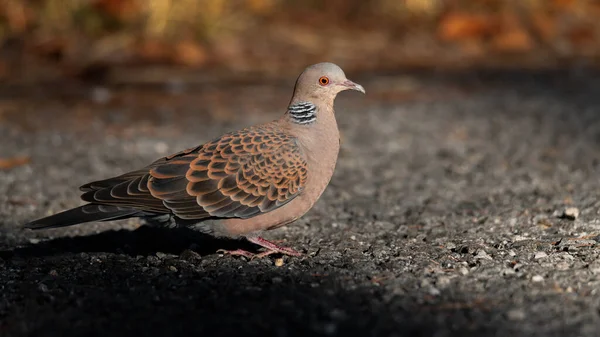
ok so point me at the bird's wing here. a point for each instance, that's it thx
(239, 175)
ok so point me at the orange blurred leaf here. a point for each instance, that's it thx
(564, 4)
(153, 51)
(581, 36)
(261, 6)
(17, 16)
(464, 26)
(8, 163)
(189, 53)
(545, 25)
(120, 9)
(513, 41)
(512, 35)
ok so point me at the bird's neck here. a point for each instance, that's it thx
(302, 113)
(320, 142)
(307, 110)
(314, 126)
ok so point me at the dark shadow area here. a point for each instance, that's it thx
(145, 241)
(110, 299)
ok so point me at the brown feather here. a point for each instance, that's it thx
(241, 174)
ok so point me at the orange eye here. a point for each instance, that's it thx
(324, 80)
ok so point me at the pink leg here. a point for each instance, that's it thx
(271, 248)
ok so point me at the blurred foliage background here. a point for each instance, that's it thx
(46, 39)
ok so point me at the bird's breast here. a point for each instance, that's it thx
(321, 147)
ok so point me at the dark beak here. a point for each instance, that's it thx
(353, 86)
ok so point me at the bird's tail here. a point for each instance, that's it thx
(82, 214)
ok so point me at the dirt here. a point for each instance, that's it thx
(451, 213)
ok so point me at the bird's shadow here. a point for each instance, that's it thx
(121, 297)
(145, 240)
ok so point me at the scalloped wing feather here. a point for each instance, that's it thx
(239, 175)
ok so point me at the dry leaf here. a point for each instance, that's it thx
(545, 25)
(581, 36)
(153, 51)
(512, 36)
(120, 9)
(8, 163)
(190, 54)
(513, 40)
(465, 26)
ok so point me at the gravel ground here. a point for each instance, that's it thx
(462, 205)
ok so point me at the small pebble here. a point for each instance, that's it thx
(594, 267)
(540, 255)
(173, 269)
(279, 262)
(518, 238)
(330, 329)
(508, 271)
(571, 213)
(101, 95)
(537, 278)
(160, 255)
(481, 254)
(43, 288)
(442, 281)
(338, 314)
(190, 255)
(53, 272)
(433, 291)
(516, 315)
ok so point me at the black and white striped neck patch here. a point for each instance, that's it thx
(303, 112)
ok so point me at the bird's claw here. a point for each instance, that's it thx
(273, 247)
(249, 255)
(270, 249)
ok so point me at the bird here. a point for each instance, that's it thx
(238, 185)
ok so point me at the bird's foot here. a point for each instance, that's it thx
(246, 254)
(272, 248)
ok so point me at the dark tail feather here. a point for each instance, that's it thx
(85, 213)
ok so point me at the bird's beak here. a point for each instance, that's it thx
(347, 84)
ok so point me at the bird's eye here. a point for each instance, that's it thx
(324, 80)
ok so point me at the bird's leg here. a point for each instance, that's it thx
(271, 247)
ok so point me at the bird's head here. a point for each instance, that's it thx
(322, 81)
